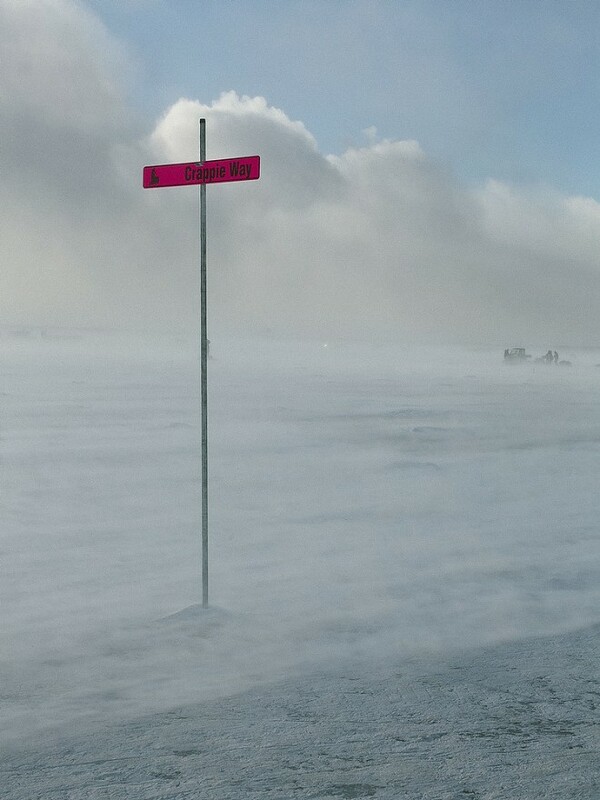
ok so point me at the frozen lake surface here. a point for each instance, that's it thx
(518, 720)
(405, 571)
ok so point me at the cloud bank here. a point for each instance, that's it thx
(379, 241)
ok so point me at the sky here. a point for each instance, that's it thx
(428, 169)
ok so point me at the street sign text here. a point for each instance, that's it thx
(224, 170)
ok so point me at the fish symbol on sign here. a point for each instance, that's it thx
(154, 179)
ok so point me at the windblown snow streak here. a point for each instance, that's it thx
(369, 505)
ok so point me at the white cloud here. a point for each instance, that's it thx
(377, 241)
(60, 67)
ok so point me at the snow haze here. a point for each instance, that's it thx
(367, 503)
(396, 512)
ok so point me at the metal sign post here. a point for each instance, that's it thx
(201, 172)
(203, 371)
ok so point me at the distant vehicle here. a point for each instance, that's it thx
(516, 354)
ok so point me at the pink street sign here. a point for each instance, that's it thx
(224, 170)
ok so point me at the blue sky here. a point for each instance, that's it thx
(428, 168)
(503, 89)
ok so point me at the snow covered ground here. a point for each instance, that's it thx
(405, 571)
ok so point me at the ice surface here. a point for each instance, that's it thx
(373, 506)
(517, 720)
